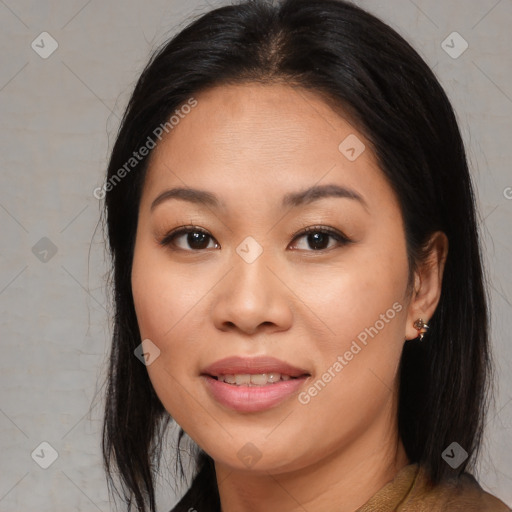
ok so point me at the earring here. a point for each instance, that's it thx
(421, 327)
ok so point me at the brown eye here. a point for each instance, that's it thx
(318, 238)
(191, 239)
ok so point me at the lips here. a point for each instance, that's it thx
(252, 384)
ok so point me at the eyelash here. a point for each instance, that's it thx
(336, 235)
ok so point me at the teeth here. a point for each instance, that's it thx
(259, 379)
(242, 379)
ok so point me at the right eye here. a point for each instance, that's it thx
(196, 239)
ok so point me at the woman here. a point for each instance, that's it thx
(297, 271)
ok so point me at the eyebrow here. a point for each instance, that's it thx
(292, 199)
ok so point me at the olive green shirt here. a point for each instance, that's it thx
(410, 491)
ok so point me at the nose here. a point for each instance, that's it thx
(252, 298)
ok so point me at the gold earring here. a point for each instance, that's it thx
(421, 327)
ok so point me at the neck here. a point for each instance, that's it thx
(348, 477)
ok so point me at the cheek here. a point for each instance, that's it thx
(361, 297)
(161, 308)
(164, 296)
(168, 301)
(365, 310)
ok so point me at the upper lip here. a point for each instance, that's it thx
(237, 365)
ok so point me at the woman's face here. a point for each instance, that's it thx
(316, 322)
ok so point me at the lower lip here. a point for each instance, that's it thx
(252, 398)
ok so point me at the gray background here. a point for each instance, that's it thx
(59, 117)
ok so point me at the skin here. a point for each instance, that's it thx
(250, 144)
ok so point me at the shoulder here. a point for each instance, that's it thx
(462, 494)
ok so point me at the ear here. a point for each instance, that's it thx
(427, 283)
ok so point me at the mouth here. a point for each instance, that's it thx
(256, 379)
(253, 384)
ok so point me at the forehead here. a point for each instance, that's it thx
(258, 139)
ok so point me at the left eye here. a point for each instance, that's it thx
(317, 238)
